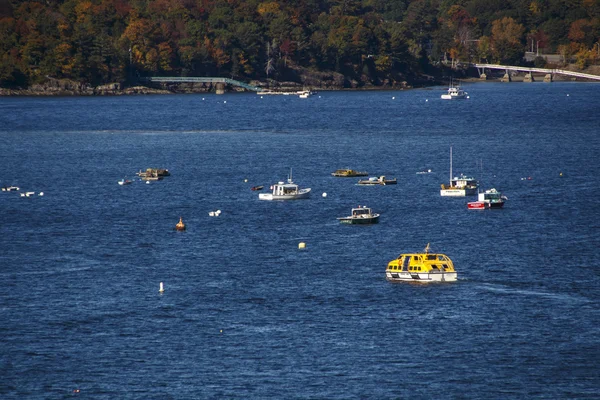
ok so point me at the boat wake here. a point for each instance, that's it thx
(526, 292)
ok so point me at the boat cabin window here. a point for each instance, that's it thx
(441, 257)
(430, 257)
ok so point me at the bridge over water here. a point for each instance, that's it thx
(549, 72)
(190, 79)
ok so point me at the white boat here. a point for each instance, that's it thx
(304, 94)
(285, 191)
(460, 186)
(360, 215)
(455, 93)
(124, 182)
(488, 199)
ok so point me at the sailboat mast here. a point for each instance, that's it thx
(450, 165)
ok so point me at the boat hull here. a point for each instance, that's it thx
(302, 194)
(359, 221)
(421, 277)
(458, 192)
(484, 205)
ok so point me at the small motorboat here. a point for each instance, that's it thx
(180, 225)
(360, 215)
(488, 199)
(286, 191)
(377, 181)
(10, 188)
(421, 267)
(455, 93)
(124, 181)
(255, 188)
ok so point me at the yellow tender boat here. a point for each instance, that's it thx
(421, 267)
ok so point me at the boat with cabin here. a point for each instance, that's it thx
(455, 93)
(360, 215)
(286, 191)
(487, 200)
(421, 267)
(381, 180)
(348, 173)
(460, 186)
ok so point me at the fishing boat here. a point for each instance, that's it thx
(455, 93)
(348, 173)
(285, 191)
(377, 181)
(360, 215)
(124, 182)
(459, 186)
(421, 267)
(488, 199)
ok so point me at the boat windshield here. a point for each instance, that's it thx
(361, 211)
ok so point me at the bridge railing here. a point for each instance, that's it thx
(540, 70)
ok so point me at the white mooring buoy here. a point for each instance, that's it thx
(324, 194)
(161, 288)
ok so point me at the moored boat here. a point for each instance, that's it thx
(459, 186)
(348, 173)
(488, 199)
(421, 267)
(124, 182)
(455, 93)
(360, 215)
(255, 188)
(285, 191)
(377, 181)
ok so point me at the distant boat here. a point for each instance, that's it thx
(286, 191)
(360, 215)
(348, 173)
(377, 181)
(455, 93)
(255, 188)
(124, 182)
(459, 186)
(488, 199)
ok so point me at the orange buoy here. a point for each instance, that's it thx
(180, 225)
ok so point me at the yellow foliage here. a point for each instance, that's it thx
(268, 8)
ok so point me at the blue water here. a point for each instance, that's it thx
(245, 313)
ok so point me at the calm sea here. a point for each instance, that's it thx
(245, 313)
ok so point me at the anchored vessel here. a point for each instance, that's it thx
(488, 199)
(360, 215)
(378, 181)
(455, 93)
(421, 267)
(285, 191)
(459, 186)
(348, 173)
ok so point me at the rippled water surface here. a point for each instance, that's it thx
(245, 313)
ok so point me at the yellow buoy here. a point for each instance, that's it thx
(180, 225)
(301, 245)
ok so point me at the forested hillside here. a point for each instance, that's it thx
(100, 41)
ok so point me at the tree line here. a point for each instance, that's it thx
(101, 41)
